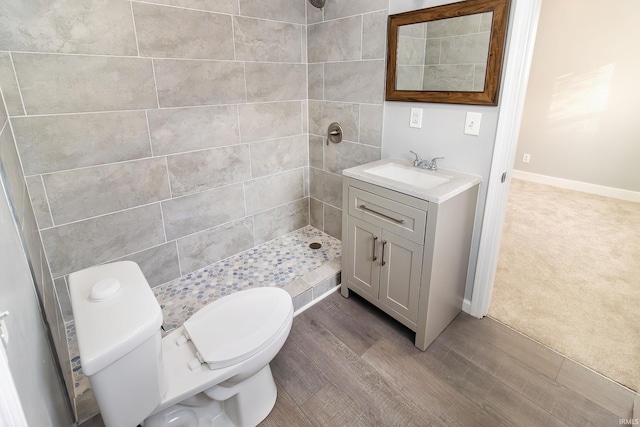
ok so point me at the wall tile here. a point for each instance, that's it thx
(322, 114)
(209, 246)
(411, 51)
(82, 244)
(472, 48)
(316, 81)
(207, 169)
(371, 124)
(178, 130)
(39, 201)
(316, 151)
(409, 77)
(316, 213)
(432, 51)
(83, 193)
(449, 77)
(68, 26)
(338, 40)
(158, 264)
(325, 186)
(347, 154)
(64, 300)
(278, 155)
(10, 163)
(270, 120)
(223, 6)
(277, 10)
(305, 177)
(190, 82)
(374, 35)
(259, 40)
(340, 9)
(170, 32)
(454, 27)
(73, 83)
(359, 81)
(199, 211)
(275, 82)
(281, 220)
(54, 143)
(333, 221)
(4, 115)
(9, 86)
(274, 190)
(479, 75)
(314, 14)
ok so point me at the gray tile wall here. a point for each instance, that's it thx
(157, 124)
(346, 48)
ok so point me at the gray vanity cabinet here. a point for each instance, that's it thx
(406, 255)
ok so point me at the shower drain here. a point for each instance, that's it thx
(315, 245)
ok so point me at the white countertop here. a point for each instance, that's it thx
(457, 183)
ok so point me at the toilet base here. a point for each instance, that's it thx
(242, 404)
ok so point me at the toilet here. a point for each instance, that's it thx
(211, 371)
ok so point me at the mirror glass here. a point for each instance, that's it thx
(450, 53)
(445, 55)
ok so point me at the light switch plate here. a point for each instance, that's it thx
(415, 120)
(472, 124)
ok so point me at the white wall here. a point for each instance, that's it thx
(30, 358)
(442, 135)
(581, 114)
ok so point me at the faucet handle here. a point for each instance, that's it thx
(418, 158)
(434, 164)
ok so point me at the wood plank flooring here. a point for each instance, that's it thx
(348, 364)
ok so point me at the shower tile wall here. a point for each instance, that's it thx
(346, 54)
(146, 129)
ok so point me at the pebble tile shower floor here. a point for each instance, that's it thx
(286, 262)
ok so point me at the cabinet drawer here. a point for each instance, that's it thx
(403, 220)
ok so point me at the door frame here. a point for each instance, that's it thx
(524, 25)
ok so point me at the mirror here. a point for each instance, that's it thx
(449, 54)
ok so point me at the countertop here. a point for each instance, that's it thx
(457, 183)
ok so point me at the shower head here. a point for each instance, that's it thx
(317, 3)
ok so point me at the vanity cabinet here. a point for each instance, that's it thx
(406, 255)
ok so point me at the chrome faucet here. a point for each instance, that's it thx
(419, 162)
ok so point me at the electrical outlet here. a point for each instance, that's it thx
(526, 158)
(415, 120)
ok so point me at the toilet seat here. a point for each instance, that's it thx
(238, 326)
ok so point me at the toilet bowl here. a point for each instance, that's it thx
(211, 371)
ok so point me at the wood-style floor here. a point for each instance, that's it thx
(346, 363)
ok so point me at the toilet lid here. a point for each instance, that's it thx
(239, 325)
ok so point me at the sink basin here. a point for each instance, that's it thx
(408, 175)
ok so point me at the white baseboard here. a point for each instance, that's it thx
(585, 187)
(466, 306)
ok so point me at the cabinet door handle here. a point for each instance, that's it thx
(382, 262)
(373, 255)
(364, 207)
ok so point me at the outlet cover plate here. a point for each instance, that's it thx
(472, 124)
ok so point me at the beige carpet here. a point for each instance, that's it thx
(569, 276)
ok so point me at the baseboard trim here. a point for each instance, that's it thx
(466, 306)
(585, 187)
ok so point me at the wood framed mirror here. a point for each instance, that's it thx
(447, 54)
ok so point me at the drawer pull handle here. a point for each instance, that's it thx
(373, 255)
(382, 262)
(365, 208)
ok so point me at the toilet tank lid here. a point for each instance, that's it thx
(114, 311)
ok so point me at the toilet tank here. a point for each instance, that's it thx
(118, 320)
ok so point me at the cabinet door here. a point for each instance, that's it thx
(400, 275)
(363, 255)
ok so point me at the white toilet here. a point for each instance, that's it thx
(212, 371)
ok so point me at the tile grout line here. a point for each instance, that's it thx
(15, 75)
